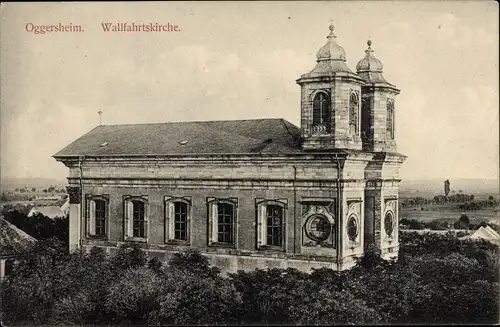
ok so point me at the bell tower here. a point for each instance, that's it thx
(381, 221)
(331, 101)
(377, 105)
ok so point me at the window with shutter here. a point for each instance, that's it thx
(271, 223)
(97, 215)
(222, 214)
(136, 218)
(178, 212)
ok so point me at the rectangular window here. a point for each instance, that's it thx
(177, 219)
(222, 222)
(138, 218)
(271, 223)
(274, 225)
(97, 215)
(225, 223)
(180, 221)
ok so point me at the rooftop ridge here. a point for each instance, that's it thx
(194, 121)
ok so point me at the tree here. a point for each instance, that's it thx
(33, 189)
(464, 219)
(51, 189)
(129, 255)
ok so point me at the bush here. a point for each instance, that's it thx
(129, 255)
(133, 297)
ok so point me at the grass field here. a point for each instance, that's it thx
(449, 213)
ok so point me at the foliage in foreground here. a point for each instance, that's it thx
(437, 279)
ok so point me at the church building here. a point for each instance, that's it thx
(251, 193)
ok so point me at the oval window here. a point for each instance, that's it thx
(352, 228)
(389, 223)
(318, 228)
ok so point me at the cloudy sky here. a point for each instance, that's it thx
(240, 60)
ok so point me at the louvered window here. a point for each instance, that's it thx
(353, 114)
(390, 120)
(321, 111)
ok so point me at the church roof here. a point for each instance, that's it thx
(11, 236)
(198, 137)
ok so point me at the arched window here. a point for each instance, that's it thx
(353, 114)
(178, 217)
(390, 120)
(97, 215)
(321, 111)
(136, 217)
(222, 219)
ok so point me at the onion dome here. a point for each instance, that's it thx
(370, 68)
(331, 57)
(369, 63)
(331, 50)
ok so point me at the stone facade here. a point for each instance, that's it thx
(333, 196)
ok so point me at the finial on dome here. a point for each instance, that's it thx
(369, 42)
(331, 28)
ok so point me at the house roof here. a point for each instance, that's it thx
(199, 137)
(11, 236)
(49, 211)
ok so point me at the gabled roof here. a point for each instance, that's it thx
(487, 233)
(199, 137)
(11, 236)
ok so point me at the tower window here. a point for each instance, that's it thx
(321, 112)
(353, 114)
(390, 120)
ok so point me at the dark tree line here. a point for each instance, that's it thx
(437, 279)
(39, 226)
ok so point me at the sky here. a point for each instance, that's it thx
(240, 60)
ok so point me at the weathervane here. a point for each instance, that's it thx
(100, 117)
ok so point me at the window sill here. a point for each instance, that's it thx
(177, 242)
(136, 239)
(270, 248)
(222, 245)
(97, 237)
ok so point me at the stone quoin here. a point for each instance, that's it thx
(251, 194)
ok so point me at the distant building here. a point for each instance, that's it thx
(484, 233)
(251, 193)
(11, 238)
(59, 209)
